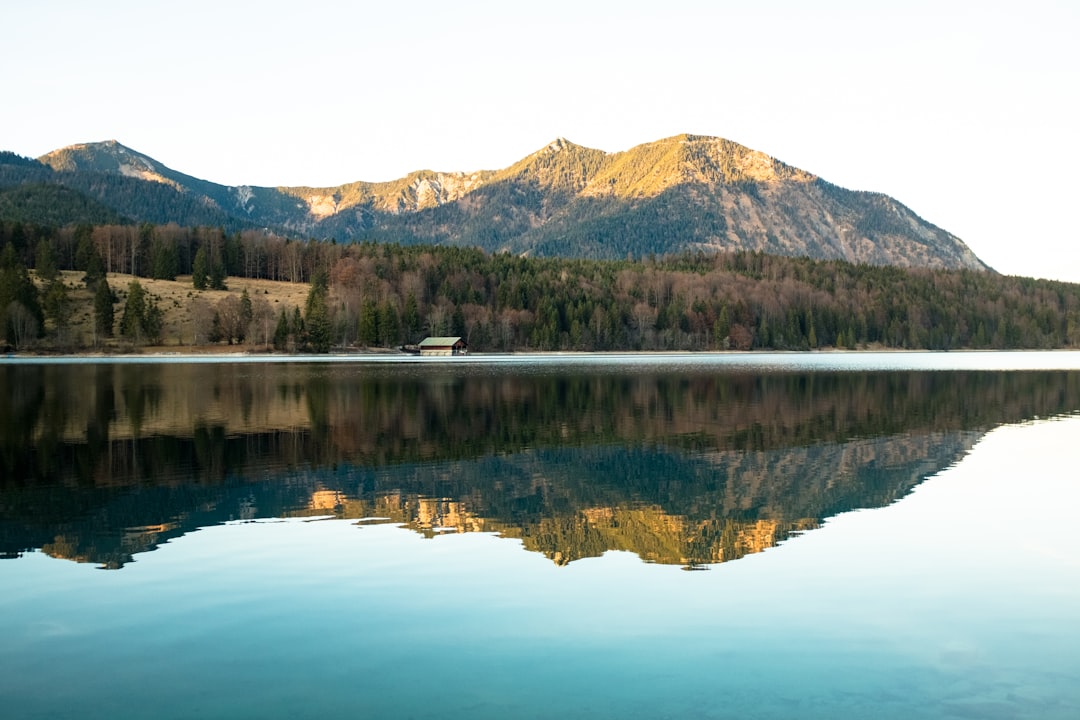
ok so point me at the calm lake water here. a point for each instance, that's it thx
(684, 536)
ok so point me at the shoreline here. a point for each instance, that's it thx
(774, 360)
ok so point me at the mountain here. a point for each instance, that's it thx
(682, 193)
(95, 191)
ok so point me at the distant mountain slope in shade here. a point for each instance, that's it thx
(682, 193)
(53, 205)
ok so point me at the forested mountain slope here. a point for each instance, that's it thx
(681, 193)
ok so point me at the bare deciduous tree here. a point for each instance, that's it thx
(202, 321)
(22, 324)
(231, 319)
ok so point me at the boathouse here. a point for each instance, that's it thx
(443, 346)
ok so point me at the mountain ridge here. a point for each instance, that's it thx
(686, 192)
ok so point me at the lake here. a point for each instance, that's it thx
(811, 535)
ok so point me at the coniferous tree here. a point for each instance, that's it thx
(164, 260)
(296, 325)
(411, 318)
(317, 315)
(134, 318)
(57, 306)
(200, 269)
(140, 252)
(21, 317)
(45, 261)
(216, 266)
(103, 309)
(281, 332)
(457, 321)
(17, 238)
(153, 322)
(389, 325)
(247, 313)
(368, 335)
(87, 258)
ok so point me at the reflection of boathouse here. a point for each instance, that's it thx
(443, 346)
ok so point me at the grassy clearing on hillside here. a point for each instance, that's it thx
(174, 297)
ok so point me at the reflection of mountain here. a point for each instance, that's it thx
(666, 505)
(100, 462)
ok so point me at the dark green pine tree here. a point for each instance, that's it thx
(134, 318)
(457, 321)
(21, 317)
(88, 259)
(317, 315)
(103, 309)
(411, 318)
(45, 261)
(368, 335)
(141, 261)
(57, 305)
(296, 325)
(200, 269)
(247, 313)
(281, 332)
(164, 260)
(216, 270)
(389, 325)
(153, 322)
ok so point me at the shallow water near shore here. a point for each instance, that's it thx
(770, 536)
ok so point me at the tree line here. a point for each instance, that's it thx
(387, 295)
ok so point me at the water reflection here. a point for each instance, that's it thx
(101, 462)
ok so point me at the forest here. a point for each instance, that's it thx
(379, 295)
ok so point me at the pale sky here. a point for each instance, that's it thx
(964, 111)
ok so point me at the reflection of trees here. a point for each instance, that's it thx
(375, 417)
(103, 461)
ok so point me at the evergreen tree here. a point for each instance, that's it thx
(140, 256)
(233, 262)
(217, 273)
(411, 317)
(57, 305)
(200, 269)
(45, 261)
(247, 313)
(296, 325)
(153, 322)
(368, 335)
(133, 321)
(21, 317)
(17, 238)
(87, 258)
(723, 325)
(457, 321)
(164, 260)
(389, 325)
(103, 309)
(317, 315)
(281, 332)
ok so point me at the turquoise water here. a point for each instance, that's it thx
(960, 598)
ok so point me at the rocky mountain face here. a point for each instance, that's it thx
(682, 193)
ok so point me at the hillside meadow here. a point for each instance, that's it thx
(176, 298)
